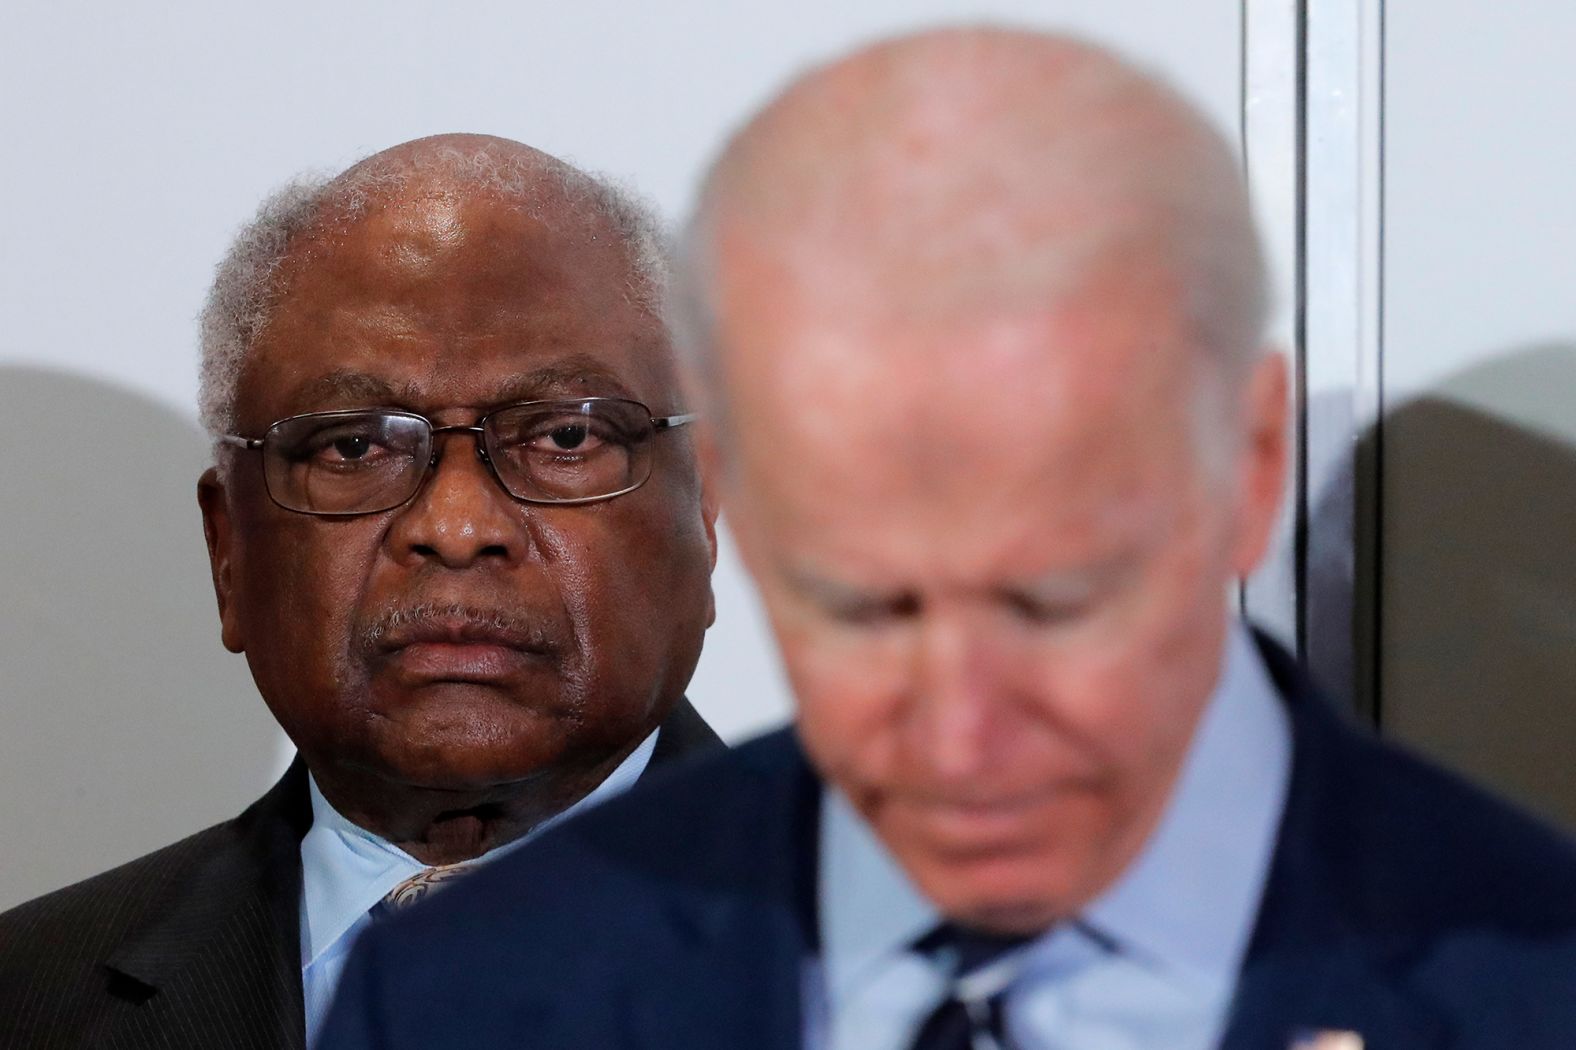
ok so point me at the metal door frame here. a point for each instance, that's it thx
(1312, 127)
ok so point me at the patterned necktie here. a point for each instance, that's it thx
(420, 885)
(971, 1016)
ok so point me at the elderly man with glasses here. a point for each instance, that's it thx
(458, 531)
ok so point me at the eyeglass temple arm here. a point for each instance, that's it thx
(240, 442)
(669, 422)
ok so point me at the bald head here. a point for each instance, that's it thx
(460, 160)
(428, 173)
(962, 172)
(955, 291)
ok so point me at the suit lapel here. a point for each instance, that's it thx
(1315, 960)
(1321, 988)
(735, 959)
(219, 963)
(1313, 965)
(684, 734)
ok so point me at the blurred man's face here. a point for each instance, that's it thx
(997, 569)
(464, 639)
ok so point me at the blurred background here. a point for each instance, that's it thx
(1411, 166)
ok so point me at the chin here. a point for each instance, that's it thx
(1009, 895)
(1016, 919)
(467, 773)
(470, 755)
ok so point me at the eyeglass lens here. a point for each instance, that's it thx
(359, 462)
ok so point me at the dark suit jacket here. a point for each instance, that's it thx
(1402, 904)
(195, 945)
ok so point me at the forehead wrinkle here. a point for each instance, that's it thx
(392, 248)
(347, 297)
(931, 429)
(558, 379)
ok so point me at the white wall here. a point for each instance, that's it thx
(136, 138)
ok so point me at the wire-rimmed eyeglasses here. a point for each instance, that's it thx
(361, 461)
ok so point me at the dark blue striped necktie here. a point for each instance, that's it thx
(959, 1022)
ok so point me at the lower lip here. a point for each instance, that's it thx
(461, 661)
(987, 827)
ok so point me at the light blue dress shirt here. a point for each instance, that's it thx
(1150, 965)
(345, 870)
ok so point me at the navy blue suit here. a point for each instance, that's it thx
(1402, 904)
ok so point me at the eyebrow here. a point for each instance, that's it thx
(1051, 588)
(575, 375)
(343, 385)
(830, 594)
(1065, 585)
(570, 376)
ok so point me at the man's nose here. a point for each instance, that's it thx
(461, 515)
(960, 696)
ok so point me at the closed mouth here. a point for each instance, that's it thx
(466, 633)
(455, 643)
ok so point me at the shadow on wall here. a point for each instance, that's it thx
(1477, 598)
(124, 724)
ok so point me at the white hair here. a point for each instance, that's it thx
(246, 288)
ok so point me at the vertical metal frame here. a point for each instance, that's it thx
(1343, 311)
(1312, 142)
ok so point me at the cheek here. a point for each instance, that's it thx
(636, 587)
(1116, 707)
(304, 582)
(849, 689)
(1132, 686)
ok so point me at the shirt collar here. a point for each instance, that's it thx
(346, 869)
(1185, 905)
(869, 909)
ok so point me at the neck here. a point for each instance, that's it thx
(439, 825)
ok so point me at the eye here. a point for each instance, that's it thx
(574, 436)
(351, 447)
(1045, 610)
(871, 610)
(339, 448)
(570, 437)
(344, 446)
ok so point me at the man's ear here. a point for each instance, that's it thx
(1265, 462)
(216, 529)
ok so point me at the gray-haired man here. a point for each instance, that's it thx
(457, 528)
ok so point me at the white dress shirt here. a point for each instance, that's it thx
(345, 870)
(1149, 965)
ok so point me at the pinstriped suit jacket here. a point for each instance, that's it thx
(1402, 904)
(194, 945)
